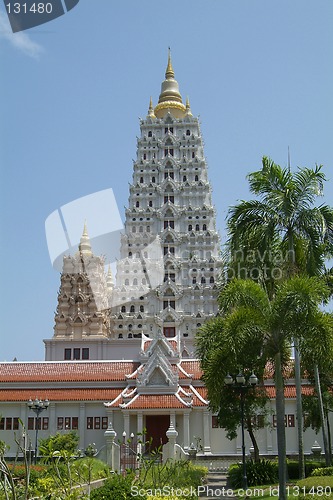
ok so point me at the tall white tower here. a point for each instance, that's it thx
(170, 208)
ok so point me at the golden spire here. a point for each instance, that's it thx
(188, 107)
(170, 98)
(151, 109)
(169, 71)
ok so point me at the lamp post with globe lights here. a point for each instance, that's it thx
(240, 384)
(37, 406)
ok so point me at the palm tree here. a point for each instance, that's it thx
(249, 316)
(285, 234)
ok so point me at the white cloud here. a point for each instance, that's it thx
(20, 40)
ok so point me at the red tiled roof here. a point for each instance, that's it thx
(154, 401)
(59, 394)
(289, 391)
(70, 371)
(192, 368)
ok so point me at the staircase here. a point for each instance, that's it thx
(216, 487)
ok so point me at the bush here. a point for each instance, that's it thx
(59, 442)
(116, 488)
(322, 471)
(293, 468)
(258, 473)
(317, 486)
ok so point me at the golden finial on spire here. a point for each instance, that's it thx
(188, 107)
(169, 71)
(151, 109)
(170, 99)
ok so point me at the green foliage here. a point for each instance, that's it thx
(59, 442)
(258, 473)
(322, 471)
(315, 482)
(293, 468)
(117, 487)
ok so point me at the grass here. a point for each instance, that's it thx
(305, 489)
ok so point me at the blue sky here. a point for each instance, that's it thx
(258, 72)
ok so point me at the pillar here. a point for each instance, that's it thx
(186, 426)
(206, 432)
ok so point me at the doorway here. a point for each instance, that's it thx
(156, 426)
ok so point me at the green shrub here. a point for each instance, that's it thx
(316, 486)
(293, 468)
(118, 487)
(322, 471)
(262, 472)
(59, 442)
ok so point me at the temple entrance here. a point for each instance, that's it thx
(156, 426)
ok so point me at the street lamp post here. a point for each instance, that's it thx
(240, 384)
(37, 406)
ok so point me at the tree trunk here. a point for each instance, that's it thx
(298, 382)
(329, 435)
(322, 416)
(253, 439)
(281, 432)
(299, 411)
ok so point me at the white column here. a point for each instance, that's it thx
(139, 429)
(186, 427)
(52, 416)
(126, 424)
(82, 426)
(206, 432)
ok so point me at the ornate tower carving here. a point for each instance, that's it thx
(83, 298)
(170, 202)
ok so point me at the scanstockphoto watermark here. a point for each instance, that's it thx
(254, 264)
(192, 492)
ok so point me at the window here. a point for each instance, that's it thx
(132, 309)
(31, 423)
(45, 423)
(97, 423)
(197, 228)
(196, 178)
(193, 155)
(67, 354)
(123, 309)
(167, 303)
(141, 178)
(153, 180)
(184, 178)
(211, 279)
(60, 423)
(15, 423)
(168, 249)
(150, 134)
(8, 424)
(170, 223)
(76, 353)
(169, 198)
(67, 422)
(169, 331)
(204, 227)
(215, 423)
(75, 423)
(2, 424)
(188, 132)
(168, 151)
(150, 203)
(142, 309)
(168, 129)
(291, 420)
(85, 353)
